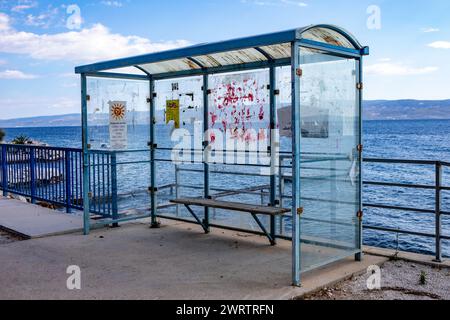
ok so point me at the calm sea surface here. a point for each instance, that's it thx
(418, 140)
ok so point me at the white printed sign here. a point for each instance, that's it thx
(118, 130)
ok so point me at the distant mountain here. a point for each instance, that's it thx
(406, 109)
(373, 110)
(66, 120)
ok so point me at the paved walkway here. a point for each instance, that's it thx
(176, 261)
(32, 221)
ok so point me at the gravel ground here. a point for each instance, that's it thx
(400, 280)
(6, 237)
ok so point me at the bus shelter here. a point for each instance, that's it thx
(261, 134)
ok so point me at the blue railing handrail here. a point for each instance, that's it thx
(33, 146)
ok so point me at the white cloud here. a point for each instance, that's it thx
(430, 30)
(43, 20)
(394, 69)
(3, 62)
(24, 5)
(4, 22)
(116, 4)
(16, 74)
(89, 44)
(296, 3)
(440, 45)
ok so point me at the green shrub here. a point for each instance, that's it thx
(423, 278)
(22, 139)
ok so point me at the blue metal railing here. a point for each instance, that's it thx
(54, 175)
(437, 186)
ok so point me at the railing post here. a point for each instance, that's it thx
(68, 180)
(4, 171)
(273, 149)
(281, 193)
(296, 139)
(153, 146)
(177, 188)
(32, 175)
(86, 159)
(114, 206)
(438, 212)
(206, 167)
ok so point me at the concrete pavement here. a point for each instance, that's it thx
(176, 261)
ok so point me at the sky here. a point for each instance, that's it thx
(42, 41)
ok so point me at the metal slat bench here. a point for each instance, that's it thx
(254, 210)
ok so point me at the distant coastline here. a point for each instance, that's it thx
(381, 110)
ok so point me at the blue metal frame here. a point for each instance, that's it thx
(153, 186)
(359, 255)
(86, 168)
(206, 168)
(273, 149)
(296, 139)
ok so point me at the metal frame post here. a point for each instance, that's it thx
(68, 180)
(114, 206)
(296, 139)
(177, 188)
(438, 218)
(4, 171)
(32, 175)
(273, 149)
(153, 205)
(85, 140)
(359, 231)
(206, 168)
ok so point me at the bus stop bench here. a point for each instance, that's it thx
(254, 210)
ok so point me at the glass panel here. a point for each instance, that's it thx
(239, 122)
(179, 136)
(329, 176)
(179, 105)
(230, 58)
(129, 100)
(239, 108)
(329, 36)
(118, 131)
(283, 124)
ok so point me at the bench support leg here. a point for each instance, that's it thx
(273, 224)
(200, 222)
(268, 235)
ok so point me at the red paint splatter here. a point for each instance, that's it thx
(261, 113)
(212, 137)
(213, 119)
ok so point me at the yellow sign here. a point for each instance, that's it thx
(173, 112)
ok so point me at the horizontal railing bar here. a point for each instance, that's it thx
(400, 161)
(408, 232)
(401, 185)
(26, 146)
(336, 222)
(382, 206)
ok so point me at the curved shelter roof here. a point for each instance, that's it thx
(256, 51)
